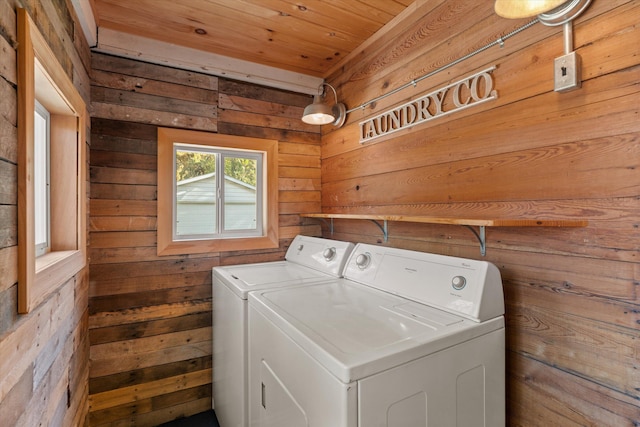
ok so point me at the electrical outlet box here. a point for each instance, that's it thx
(567, 72)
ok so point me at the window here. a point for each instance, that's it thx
(41, 139)
(51, 170)
(215, 192)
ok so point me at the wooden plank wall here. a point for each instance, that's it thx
(43, 355)
(150, 316)
(572, 300)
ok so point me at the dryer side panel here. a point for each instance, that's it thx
(229, 356)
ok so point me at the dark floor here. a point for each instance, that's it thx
(203, 419)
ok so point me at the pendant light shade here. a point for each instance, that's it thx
(514, 9)
(567, 68)
(549, 12)
(317, 113)
(320, 113)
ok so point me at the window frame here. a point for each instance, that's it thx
(221, 154)
(41, 76)
(166, 244)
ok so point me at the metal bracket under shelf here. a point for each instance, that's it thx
(480, 234)
(384, 227)
(329, 224)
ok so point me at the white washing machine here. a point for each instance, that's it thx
(405, 339)
(308, 260)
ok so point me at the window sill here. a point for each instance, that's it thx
(52, 270)
(218, 245)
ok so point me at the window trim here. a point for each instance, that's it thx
(38, 278)
(165, 243)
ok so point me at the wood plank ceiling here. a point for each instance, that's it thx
(304, 36)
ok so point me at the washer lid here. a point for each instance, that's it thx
(308, 260)
(242, 279)
(356, 331)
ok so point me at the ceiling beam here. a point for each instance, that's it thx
(113, 42)
(87, 20)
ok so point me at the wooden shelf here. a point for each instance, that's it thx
(470, 223)
(458, 221)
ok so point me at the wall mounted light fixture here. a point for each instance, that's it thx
(320, 113)
(567, 68)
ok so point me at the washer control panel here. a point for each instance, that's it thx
(324, 255)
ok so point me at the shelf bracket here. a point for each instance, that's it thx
(481, 236)
(328, 224)
(384, 228)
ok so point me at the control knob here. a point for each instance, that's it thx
(329, 253)
(363, 260)
(458, 282)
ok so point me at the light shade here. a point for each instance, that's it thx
(549, 12)
(514, 9)
(319, 113)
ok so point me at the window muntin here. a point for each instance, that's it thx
(41, 178)
(217, 192)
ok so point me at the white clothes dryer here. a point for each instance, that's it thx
(308, 260)
(405, 339)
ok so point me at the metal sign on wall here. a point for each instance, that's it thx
(465, 93)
